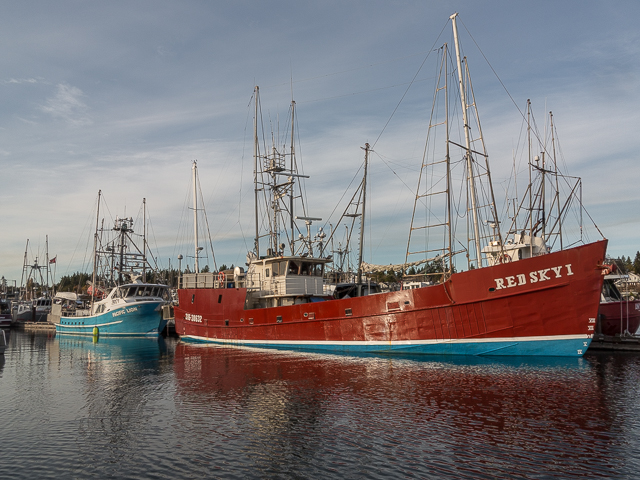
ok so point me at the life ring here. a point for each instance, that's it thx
(504, 258)
(221, 277)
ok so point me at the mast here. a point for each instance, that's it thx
(46, 243)
(255, 168)
(293, 110)
(555, 166)
(476, 230)
(364, 203)
(194, 168)
(447, 156)
(122, 227)
(530, 179)
(95, 253)
(144, 240)
(24, 269)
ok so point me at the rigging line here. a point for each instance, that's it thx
(410, 83)
(362, 92)
(343, 194)
(302, 184)
(492, 69)
(393, 171)
(180, 231)
(206, 221)
(244, 143)
(498, 77)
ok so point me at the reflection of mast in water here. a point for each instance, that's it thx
(115, 384)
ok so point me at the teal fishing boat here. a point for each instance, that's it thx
(121, 302)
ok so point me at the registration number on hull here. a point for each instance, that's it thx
(193, 318)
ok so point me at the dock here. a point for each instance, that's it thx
(608, 343)
(34, 326)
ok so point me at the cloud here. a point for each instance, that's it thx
(19, 81)
(67, 105)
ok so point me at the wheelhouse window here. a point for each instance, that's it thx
(311, 269)
(316, 269)
(279, 268)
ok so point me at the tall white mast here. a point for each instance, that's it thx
(293, 166)
(463, 100)
(194, 168)
(255, 168)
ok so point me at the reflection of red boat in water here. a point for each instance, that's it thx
(616, 315)
(370, 408)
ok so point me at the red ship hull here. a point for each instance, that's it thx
(618, 317)
(545, 305)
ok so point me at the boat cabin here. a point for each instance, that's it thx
(278, 281)
(517, 248)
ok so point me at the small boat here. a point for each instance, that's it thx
(517, 296)
(617, 315)
(32, 310)
(35, 281)
(117, 307)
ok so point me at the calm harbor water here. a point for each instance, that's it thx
(159, 408)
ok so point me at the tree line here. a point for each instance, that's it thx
(627, 265)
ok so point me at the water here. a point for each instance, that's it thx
(149, 408)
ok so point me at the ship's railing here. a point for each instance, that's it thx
(210, 280)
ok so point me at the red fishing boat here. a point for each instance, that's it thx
(617, 315)
(517, 296)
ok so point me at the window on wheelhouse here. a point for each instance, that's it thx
(279, 268)
(293, 268)
(311, 269)
(316, 269)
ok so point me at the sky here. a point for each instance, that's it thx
(123, 96)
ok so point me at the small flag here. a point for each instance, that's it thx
(53, 260)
